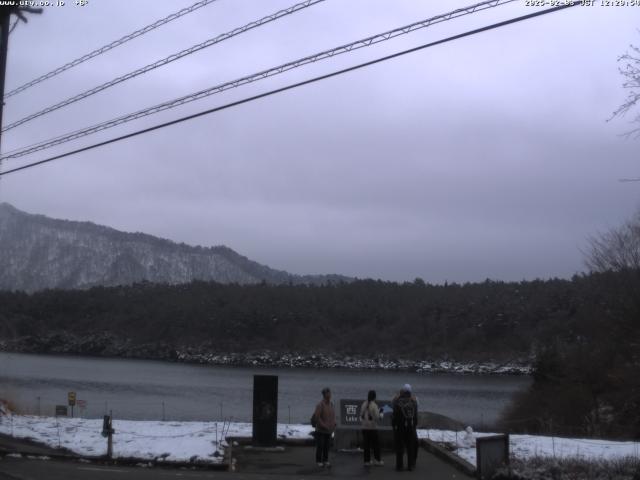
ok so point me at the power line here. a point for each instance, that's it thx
(110, 46)
(165, 61)
(12, 8)
(366, 42)
(294, 85)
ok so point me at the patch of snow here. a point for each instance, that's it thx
(204, 442)
(201, 442)
(530, 446)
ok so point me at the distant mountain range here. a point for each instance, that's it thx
(38, 252)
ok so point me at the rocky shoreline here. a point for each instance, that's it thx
(331, 361)
(107, 345)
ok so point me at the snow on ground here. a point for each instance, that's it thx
(170, 441)
(528, 446)
(204, 441)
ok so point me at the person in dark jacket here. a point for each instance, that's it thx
(325, 416)
(404, 422)
(370, 414)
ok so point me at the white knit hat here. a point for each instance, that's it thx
(406, 388)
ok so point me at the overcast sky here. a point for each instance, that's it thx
(486, 157)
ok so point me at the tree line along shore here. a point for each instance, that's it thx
(581, 335)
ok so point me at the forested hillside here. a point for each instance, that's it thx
(582, 334)
(414, 320)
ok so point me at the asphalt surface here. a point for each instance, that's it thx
(299, 462)
(35, 469)
(289, 462)
(11, 444)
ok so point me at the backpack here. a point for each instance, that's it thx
(368, 411)
(408, 411)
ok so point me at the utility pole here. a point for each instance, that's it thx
(4, 39)
(5, 21)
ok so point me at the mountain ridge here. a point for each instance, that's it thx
(38, 252)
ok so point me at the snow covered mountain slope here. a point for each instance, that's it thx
(37, 252)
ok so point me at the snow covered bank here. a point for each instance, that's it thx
(160, 441)
(329, 361)
(107, 345)
(533, 446)
(204, 441)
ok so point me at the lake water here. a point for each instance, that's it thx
(140, 389)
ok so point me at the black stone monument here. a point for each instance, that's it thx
(265, 410)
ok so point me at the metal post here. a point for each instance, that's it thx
(110, 437)
(110, 445)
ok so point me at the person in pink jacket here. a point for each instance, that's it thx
(325, 418)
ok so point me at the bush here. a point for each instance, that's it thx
(544, 468)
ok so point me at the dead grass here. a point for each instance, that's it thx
(544, 468)
(10, 403)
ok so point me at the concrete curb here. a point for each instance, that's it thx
(27, 454)
(245, 442)
(447, 456)
(9, 443)
(294, 442)
(128, 461)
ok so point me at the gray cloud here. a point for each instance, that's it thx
(486, 157)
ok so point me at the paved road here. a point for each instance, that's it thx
(34, 469)
(292, 463)
(298, 462)
(12, 444)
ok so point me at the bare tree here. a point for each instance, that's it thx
(616, 250)
(630, 70)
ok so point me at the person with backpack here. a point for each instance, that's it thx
(370, 414)
(404, 422)
(324, 421)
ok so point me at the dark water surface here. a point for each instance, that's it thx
(141, 389)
